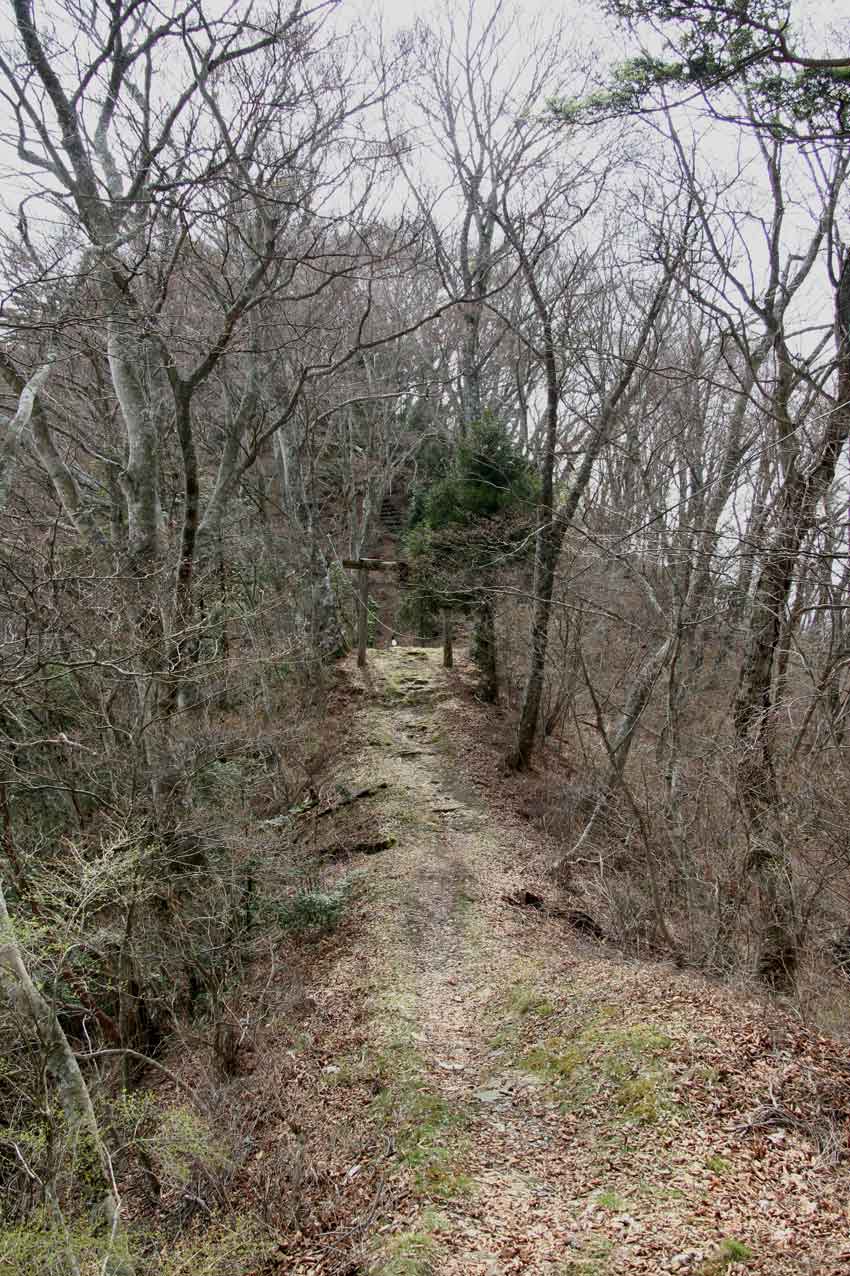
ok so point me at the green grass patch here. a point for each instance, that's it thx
(463, 901)
(610, 1199)
(427, 1128)
(594, 1259)
(625, 1063)
(660, 1191)
(407, 816)
(729, 1251)
(416, 1252)
(520, 1003)
(641, 1097)
(524, 999)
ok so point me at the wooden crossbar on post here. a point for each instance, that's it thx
(364, 566)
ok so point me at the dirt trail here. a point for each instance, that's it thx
(452, 953)
(551, 1108)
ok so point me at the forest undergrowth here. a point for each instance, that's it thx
(486, 1089)
(381, 1031)
(318, 329)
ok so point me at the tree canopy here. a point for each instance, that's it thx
(487, 475)
(710, 45)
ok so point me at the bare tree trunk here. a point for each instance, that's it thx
(549, 540)
(140, 479)
(470, 372)
(484, 653)
(230, 466)
(769, 859)
(552, 524)
(58, 472)
(83, 1131)
(637, 700)
(10, 441)
(182, 642)
(327, 637)
(699, 557)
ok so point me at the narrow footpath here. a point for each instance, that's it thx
(548, 1105)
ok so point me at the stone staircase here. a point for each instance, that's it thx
(384, 587)
(392, 517)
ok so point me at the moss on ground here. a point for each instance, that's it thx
(624, 1062)
(593, 1259)
(427, 1128)
(729, 1252)
(415, 1252)
(588, 1053)
(610, 1199)
(524, 999)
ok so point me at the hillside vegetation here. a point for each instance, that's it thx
(518, 359)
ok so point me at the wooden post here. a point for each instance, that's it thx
(364, 566)
(448, 652)
(363, 619)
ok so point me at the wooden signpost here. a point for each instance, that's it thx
(364, 566)
(448, 646)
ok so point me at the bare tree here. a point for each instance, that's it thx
(806, 485)
(474, 136)
(82, 1129)
(555, 516)
(209, 227)
(781, 380)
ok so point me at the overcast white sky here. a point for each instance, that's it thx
(818, 18)
(585, 20)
